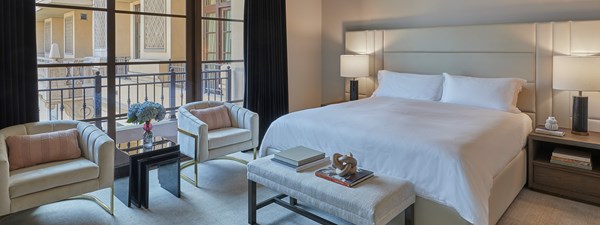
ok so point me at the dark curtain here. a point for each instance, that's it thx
(18, 62)
(266, 60)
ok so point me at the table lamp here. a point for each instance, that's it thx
(354, 66)
(573, 73)
(54, 52)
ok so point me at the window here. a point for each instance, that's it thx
(222, 50)
(97, 77)
(114, 53)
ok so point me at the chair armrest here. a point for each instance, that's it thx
(3, 149)
(102, 152)
(245, 119)
(186, 116)
(192, 136)
(99, 148)
(104, 157)
(4, 178)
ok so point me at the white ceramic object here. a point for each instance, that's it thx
(551, 123)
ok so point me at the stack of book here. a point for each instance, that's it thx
(301, 158)
(348, 181)
(573, 158)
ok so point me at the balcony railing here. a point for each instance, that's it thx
(216, 82)
(80, 92)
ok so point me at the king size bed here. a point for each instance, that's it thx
(450, 152)
(468, 163)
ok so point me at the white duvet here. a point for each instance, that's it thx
(450, 152)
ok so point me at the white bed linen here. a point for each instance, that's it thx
(450, 152)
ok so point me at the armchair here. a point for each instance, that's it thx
(41, 184)
(200, 144)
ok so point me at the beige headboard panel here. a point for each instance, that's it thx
(506, 50)
(503, 50)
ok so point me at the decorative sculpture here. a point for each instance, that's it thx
(345, 165)
(551, 123)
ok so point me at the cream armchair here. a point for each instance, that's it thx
(200, 144)
(30, 187)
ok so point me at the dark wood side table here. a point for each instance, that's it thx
(564, 181)
(164, 155)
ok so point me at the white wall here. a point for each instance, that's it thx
(339, 16)
(304, 53)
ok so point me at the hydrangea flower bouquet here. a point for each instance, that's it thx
(143, 113)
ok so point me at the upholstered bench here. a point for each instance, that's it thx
(375, 201)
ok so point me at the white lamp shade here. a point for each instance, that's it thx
(572, 73)
(54, 52)
(354, 65)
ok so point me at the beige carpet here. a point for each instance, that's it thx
(222, 199)
(532, 207)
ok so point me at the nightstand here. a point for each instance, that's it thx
(564, 181)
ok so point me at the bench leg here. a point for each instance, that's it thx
(251, 202)
(293, 201)
(409, 215)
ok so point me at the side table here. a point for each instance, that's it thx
(564, 181)
(164, 155)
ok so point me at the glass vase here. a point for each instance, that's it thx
(148, 137)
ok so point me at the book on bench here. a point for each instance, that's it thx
(321, 162)
(299, 156)
(348, 181)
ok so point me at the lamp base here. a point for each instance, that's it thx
(580, 116)
(353, 90)
(580, 133)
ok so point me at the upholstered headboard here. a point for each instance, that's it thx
(505, 50)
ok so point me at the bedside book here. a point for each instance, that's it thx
(350, 181)
(571, 163)
(572, 154)
(550, 132)
(573, 158)
(299, 156)
(321, 162)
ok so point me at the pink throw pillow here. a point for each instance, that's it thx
(214, 117)
(30, 150)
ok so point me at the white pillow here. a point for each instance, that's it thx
(408, 85)
(491, 93)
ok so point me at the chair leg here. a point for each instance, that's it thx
(194, 161)
(196, 174)
(186, 178)
(110, 209)
(242, 161)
